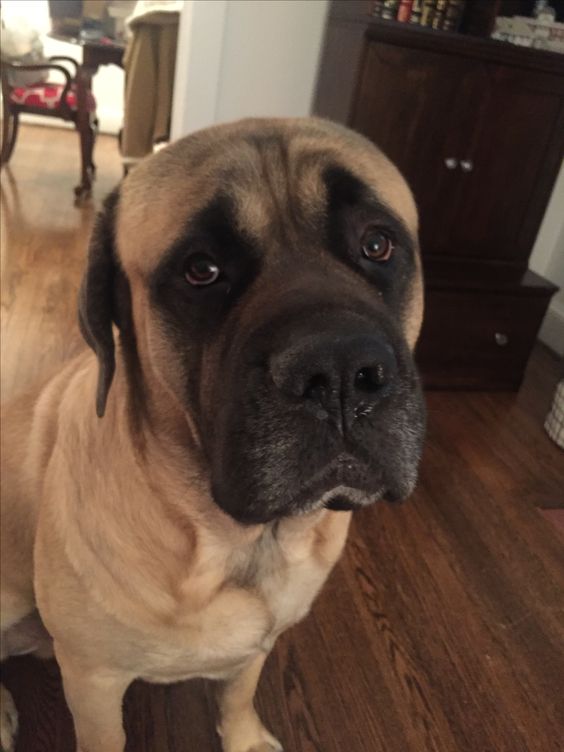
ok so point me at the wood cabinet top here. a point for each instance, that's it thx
(465, 45)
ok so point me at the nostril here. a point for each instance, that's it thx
(317, 387)
(370, 379)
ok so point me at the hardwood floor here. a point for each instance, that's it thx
(43, 238)
(442, 628)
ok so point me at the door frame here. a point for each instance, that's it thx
(198, 66)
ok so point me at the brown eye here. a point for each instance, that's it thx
(377, 245)
(201, 270)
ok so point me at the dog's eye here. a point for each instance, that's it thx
(201, 270)
(377, 245)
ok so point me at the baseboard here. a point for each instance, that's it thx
(110, 121)
(47, 121)
(552, 329)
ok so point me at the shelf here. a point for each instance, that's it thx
(478, 276)
(465, 45)
(353, 12)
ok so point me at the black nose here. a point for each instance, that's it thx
(341, 377)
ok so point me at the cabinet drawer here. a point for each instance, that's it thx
(475, 340)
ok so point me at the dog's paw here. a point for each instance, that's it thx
(273, 745)
(8, 721)
(247, 735)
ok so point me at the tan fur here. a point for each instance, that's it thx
(216, 161)
(136, 572)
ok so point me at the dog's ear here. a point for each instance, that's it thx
(96, 297)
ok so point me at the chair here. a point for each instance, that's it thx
(53, 100)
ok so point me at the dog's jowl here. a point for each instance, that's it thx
(176, 496)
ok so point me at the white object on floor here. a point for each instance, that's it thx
(554, 423)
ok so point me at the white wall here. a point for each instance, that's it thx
(547, 259)
(198, 65)
(270, 56)
(246, 57)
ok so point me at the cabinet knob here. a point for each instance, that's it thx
(466, 165)
(501, 339)
(451, 163)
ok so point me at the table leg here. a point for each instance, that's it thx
(85, 130)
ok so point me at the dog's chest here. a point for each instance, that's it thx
(267, 587)
(286, 576)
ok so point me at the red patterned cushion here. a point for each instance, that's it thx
(47, 96)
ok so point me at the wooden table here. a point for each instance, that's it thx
(94, 54)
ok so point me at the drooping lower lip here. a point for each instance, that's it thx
(344, 483)
(347, 498)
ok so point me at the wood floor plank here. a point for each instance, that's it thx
(442, 628)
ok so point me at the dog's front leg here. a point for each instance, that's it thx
(95, 699)
(240, 727)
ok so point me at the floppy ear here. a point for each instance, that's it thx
(96, 298)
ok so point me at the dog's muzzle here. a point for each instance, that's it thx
(339, 377)
(327, 412)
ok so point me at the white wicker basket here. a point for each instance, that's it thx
(554, 423)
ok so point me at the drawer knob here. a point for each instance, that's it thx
(501, 339)
(451, 163)
(466, 165)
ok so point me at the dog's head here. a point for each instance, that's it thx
(267, 275)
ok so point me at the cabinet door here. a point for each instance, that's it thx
(478, 340)
(511, 158)
(405, 104)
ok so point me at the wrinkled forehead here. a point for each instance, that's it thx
(269, 170)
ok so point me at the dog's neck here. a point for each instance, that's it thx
(166, 514)
(163, 436)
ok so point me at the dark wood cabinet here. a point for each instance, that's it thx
(400, 114)
(479, 332)
(517, 114)
(477, 128)
(459, 131)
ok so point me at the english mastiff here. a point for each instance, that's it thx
(176, 498)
